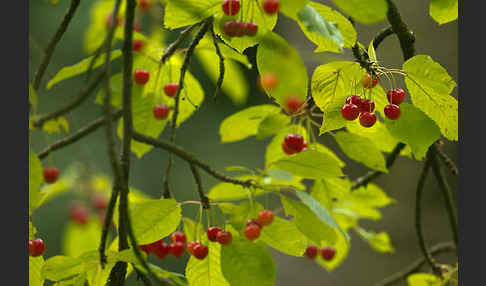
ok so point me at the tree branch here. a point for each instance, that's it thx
(175, 45)
(405, 36)
(381, 36)
(219, 83)
(447, 161)
(70, 106)
(83, 131)
(53, 43)
(416, 265)
(197, 178)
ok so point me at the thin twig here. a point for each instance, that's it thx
(447, 161)
(53, 43)
(416, 265)
(200, 191)
(418, 213)
(175, 45)
(70, 106)
(219, 83)
(73, 138)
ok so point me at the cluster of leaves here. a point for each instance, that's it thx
(324, 215)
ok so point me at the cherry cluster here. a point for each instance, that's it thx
(236, 28)
(354, 106)
(79, 212)
(36, 247)
(327, 252)
(161, 249)
(294, 143)
(254, 226)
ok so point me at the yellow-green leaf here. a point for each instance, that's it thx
(80, 238)
(444, 11)
(206, 272)
(35, 180)
(378, 241)
(365, 12)
(57, 125)
(180, 13)
(284, 236)
(35, 271)
(423, 279)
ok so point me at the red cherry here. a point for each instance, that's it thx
(141, 77)
(367, 105)
(293, 104)
(230, 28)
(224, 237)
(100, 202)
(355, 99)
(288, 150)
(212, 232)
(311, 251)
(78, 213)
(367, 119)
(240, 28)
(252, 221)
(161, 250)
(177, 249)
(137, 45)
(145, 248)
(251, 29)
(252, 231)
(191, 245)
(367, 83)
(294, 141)
(270, 6)
(350, 111)
(50, 175)
(265, 217)
(392, 111)
(143, 4)
(36, 247)
(232, 9)
(161, 111)
(200, 251)
(269, 81)
(328, 253)
(395, 96)
(178, 237)
(171, 89)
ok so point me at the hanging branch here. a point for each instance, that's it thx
(200, 191)
(381, 36)
(447, 161)
(175, 45)
(53, 43)
(416, 265)
(70, 106)
(221, 63)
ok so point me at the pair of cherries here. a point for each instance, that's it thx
(354, 106)
(395, 97)
(177, 247)
(235, 28)
(294, 143)
(254, 226)
(327, 252)
(161, 111)
(217, 234)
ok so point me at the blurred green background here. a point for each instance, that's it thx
(200, 135)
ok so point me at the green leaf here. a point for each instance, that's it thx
(423, 279)
(284, 236)
(35, 271)
(78, 238)
(365, 12)
(444, 11)
(430, 87)
(230, 192)
(323, 149)
(81, 67)
(251, 11)
(291, 7)
(32, 231)
(372, 53)
(245, 123)
(180, 13)
(415, 129)
(372, 195)
(154, 219)
(341, 245)
(320, 212)
(57, 125)
(190, 229)
(310, 164)
(35, 180)
(206, 272)
(61, 267)
(247, 263)
(275, 56)
(272, 124)
(362, 150)
(318, 29)
(378, 241)
(280, 175)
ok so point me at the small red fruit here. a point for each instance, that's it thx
(367, 119)
(367, 105)
(252, 221)
(137, 45)
(231, 7)
(177, 249)
(171, 89)
(350, 111)
(270, 6)
(161, 111)
(311, 251)
(161, 251)
(224, 237)
(367, 83)
(395, 96)
(191, 245)
(355, 99)
(239, 28)
(287, 150)
(293, 104)
(230, 28)
(36, 247)
(141, 77)
(145, 248)
(392, 111)
(143, 4)
(213, 232)
(269, 81)
(252, 231)
(265, 217)
(200, 251)
(99, 202)
(251, 29)
(328, 253)
(294, 141)
(78, 213)
(178, 237)
(50, 175)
